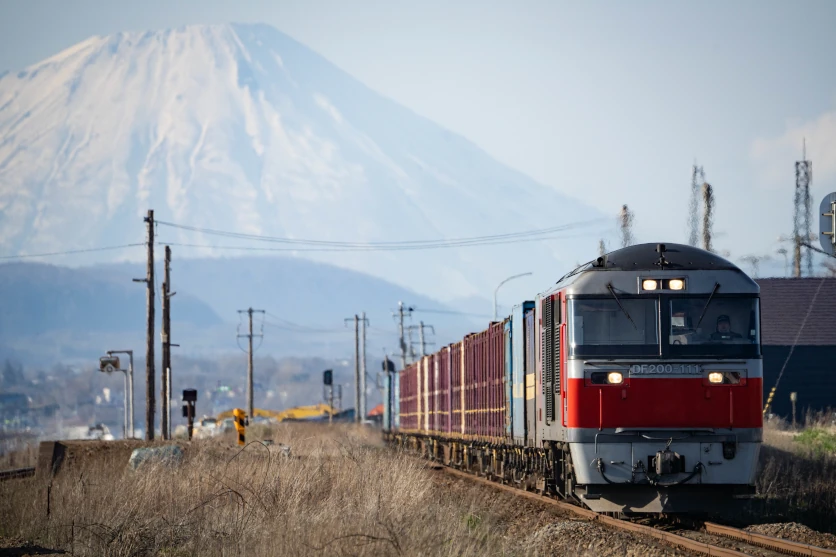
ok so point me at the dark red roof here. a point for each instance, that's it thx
(784, 304)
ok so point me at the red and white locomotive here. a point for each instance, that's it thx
(633, 385)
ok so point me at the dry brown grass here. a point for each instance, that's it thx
(339, 494)
(796, 481)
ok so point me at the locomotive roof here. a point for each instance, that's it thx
(646, 257)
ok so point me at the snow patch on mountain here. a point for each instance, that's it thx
(239, 127)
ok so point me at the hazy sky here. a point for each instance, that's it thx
(608, 101)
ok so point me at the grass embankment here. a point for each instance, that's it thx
(797, 474)
(338, 493)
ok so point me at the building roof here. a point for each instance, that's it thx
(784, 306)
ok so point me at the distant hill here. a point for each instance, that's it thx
(37, 298)
(51, 312)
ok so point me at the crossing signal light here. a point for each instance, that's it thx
(240, 424)
(328, 377)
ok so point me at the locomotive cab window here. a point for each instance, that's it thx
(718, 326)
(609, 327)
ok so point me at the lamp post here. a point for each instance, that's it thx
(498, 287)
(129, 391)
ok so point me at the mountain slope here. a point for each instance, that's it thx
(239, 127)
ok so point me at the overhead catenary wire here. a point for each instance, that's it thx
(371, 249)
(328, 245)
(71, 252)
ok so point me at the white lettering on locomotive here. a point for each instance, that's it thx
(666, 369)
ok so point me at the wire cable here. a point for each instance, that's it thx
(392, 245)
(70, 252)
(375, 249)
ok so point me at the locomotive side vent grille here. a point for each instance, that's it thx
(548, 358)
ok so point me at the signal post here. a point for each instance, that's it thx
(241, 422)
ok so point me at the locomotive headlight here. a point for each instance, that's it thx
(676, 284)
(715, 377)
(615, 377)
(649, 284)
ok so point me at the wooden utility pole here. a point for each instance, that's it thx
(165, 393)
(250, 336)
(149, 338)
(363, 372)
(357, 408)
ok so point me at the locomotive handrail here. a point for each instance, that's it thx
(640, 429)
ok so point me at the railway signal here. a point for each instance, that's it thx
(241, 423)
(189, 400)
(328, 381)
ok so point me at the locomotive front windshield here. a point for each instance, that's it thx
(717, 326)
(610, 327)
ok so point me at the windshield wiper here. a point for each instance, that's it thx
(609, 286)
(716, 286)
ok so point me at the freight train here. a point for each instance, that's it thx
(633, 385)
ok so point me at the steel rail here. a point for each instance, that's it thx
(768, 542)
(667, 537)
(17, 473)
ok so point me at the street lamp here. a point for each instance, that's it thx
(129, 390)
(497, 290)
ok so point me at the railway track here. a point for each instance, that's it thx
(716, 534)
(17, 473)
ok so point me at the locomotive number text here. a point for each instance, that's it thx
(673, 369)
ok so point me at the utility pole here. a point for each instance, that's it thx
(149, 338)
(165, 395)
(422, 342)
(357, 408)
(250, 336)
(364, 322)
(403, 344)
(421, 337)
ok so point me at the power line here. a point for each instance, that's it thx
(388, 244)
(70, 252)
(374, 249)
(451, 312)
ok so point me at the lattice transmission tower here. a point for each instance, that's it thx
(803, 214)
(697, 179)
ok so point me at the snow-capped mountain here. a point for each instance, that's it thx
(241, 128)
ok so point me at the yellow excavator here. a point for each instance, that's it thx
(297, 413)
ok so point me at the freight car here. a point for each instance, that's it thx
(633, 385)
